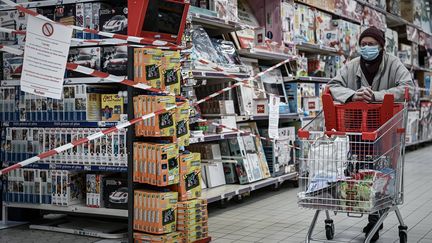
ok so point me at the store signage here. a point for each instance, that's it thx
(273, 129)
(45, 56)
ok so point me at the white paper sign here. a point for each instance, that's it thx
(273, 116)
(45, 56)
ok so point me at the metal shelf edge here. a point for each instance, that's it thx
(73, 209)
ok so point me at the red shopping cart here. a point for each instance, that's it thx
(352, 161)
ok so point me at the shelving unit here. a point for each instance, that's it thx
(78, 209)
(317, 49)
(230, 190)
(86, 80)
(264, 55)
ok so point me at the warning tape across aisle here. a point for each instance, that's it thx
(136, 120)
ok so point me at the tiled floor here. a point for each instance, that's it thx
(273, 216)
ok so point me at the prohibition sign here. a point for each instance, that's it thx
(48, 29)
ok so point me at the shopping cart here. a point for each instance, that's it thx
(352, 161)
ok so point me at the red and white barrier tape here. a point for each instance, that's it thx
(134, 39)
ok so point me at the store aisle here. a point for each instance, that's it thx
(274, 216)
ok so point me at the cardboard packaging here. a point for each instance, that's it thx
(192, 219)
(223, 107)
(174, 237)
(350, 9)
(304, 24)
(412, 127)
(115, 192)
(405, 54)
(372, 17)
(88, 57)
(212, 172)
(112, 107)
(225, 9)
(113, 19)
(182, 124)
(394, 7)
(412, 11)
(189, 184)
(392, 42)
(9, 20)
(115, 60)
(155, 212)
(94, 191)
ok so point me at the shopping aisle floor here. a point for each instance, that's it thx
(274, 216)
(270, 216)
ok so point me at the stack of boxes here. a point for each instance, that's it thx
(192, 219)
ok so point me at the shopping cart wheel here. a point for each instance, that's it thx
(330, 229)
(403, 236)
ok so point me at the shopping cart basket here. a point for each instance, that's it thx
(351, 161)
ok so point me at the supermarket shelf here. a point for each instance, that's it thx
(231, 190)
(339, 16)
(72, 209)
(417, 68)
(97, 42)
(215, 137)
(394, 20)
(45, 3)
(264, 55)
(74, 167)
(87, 80)
(216, 75)
(307, 79)
(100, 124)
(419, 142)
(260, 118)
(215, 22)
(317, 49)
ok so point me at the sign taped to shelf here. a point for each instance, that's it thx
(45, 56)
(274, 103)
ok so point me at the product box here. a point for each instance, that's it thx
(12, 66)
(229, 121)
(115, 60)
(297, 92)
(155, 212)
(174, 237)
(94, 195)
(68, 188)
(349, 9)
(171, 71)
(182, 124)
(412, 11)
(112, 107)
(212, 173)
(244, 39)
(192, 219)
(405, 54)
(115, 192)
(162, 125)
(8, 20)
(343, 35)
(223, 107)
(412, 127)
(304, 20)
(415, 54)
(189, 186)
(322, 24)
(392, 42)
(113, 19)
(372, 17)
(156, 164)
(225, 9)
(89, 57)
(147, 66)
(394, 7)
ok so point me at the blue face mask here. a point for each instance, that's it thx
(369, 53)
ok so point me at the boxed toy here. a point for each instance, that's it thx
(156, 164)
(192, 219)
(171, 71)
(287, 15)
(392, 42)
(147, 66)
(212, 173)
(112, 107)
(68, 187)
(182, 124)
(8, 20)
(223, 107)
(322, 25)
(94, 195)
(88, 57)
(162, 125)
(228, 120)
(412, 11)
(394, 7)
(112, 19)
(174, 237)
(115, 192)
(244, 39)
(405, 54)
(189, 186)
(297, 92)
(115, 60)
(155, 212)
(12, 66)
(225, 9)
(304, 20)
(349, 9)
(412, 127)
(372, 17)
